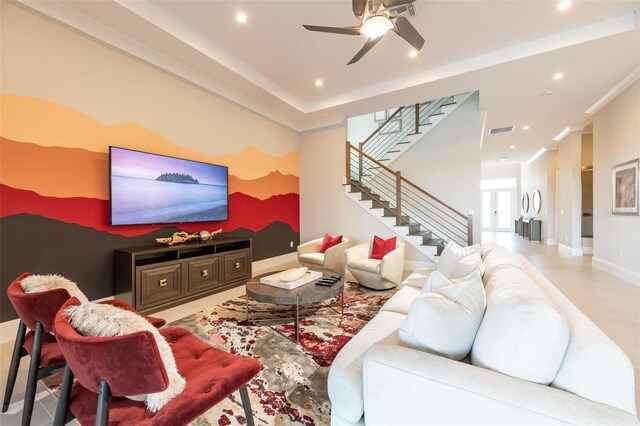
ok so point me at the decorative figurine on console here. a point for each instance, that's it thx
(177, 238)
(206, 235)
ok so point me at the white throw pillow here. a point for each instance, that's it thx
(522, 333)
(488, 247)
(38, 283)
(444, 322)
(452, 254)
(466, 266)
(102, 320)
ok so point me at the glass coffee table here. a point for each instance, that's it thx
(303, 295)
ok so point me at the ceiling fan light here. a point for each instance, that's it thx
(376, 26)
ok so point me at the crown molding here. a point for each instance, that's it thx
(614, 91)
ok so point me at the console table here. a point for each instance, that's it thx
(158, 277)
(532, 229)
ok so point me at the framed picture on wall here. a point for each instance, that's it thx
(625, 187)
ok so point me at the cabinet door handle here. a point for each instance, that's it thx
(162, 282)
(236, 265)
(204, 273)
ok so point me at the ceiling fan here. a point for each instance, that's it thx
(377, 17)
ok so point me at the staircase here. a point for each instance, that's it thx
(421, 219)
(406, 126)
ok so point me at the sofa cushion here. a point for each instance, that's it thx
(445, 321)
(402, 300)
(500, 258)
(490, 246)
(314, 258)
(366, 264)
(522, 333)
(594, 367)
(345, 382)
(451, 255)
(466, 266)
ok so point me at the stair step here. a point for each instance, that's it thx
(377, 204)
(432, 242)
(450, 103)
(403, 143)
(393, 151)
(385, 159)
(413, 134)
(436, 113)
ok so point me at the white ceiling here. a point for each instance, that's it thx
(508, 50)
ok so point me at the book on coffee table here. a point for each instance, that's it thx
(274, 280)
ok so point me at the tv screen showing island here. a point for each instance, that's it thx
(149, 188)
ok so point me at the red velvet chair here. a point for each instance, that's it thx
(106, 367)
(36, 312)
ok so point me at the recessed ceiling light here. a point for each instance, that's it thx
(558, 76)
(319, 83)
(413, 53)
(548, 93)
(512, 147)
(564, 5)
(504, 158)
(525, 127)
(241, 17)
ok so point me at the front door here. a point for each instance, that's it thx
(497, 214)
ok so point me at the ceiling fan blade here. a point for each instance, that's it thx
(336, 30)
(395, 3)
(407, 31)
(358, 8)
(367, 47)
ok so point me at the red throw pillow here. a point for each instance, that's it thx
(328, 241)
(382, 247)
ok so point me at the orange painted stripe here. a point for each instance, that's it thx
(266, 186)
(73, 172)
(46, 123)
(56, 172)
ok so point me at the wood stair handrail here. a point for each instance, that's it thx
(375, 132)
(349, 146)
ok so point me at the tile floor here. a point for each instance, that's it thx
(613, 304)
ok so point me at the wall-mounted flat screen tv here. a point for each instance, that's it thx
(149, 189)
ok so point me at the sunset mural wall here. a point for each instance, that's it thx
(54, 195)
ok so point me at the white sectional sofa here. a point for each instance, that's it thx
(377, 380)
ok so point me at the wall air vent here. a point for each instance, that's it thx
(501, 130)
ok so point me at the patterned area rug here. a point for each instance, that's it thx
(292, 387)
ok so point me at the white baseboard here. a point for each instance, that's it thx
(570, 251)
(587, 250)
(551, 241)
(619, 271)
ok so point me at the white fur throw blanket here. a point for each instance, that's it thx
(37, 283)
(100, 320)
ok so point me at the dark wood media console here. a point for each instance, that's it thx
(158, 277)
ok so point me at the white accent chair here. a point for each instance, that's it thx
(330, 262)
(373, 273)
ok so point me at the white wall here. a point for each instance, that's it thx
(570, 197)
(359, 128)
(324, 207)
(616, 139)
(541, 174)
(446, 162)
